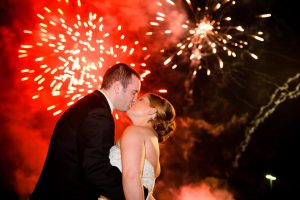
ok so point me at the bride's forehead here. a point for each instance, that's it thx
(144, 98)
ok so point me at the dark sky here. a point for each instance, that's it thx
(247, 94)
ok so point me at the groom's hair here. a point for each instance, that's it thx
(118, 72)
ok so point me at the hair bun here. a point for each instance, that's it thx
(164, 129)
(164, 120)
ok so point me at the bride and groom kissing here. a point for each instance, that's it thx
(84, 162)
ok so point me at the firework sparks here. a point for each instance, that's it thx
(289, 90)
(207, 37)
(71, 49)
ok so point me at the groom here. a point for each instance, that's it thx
(77, 165)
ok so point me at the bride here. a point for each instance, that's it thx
(136, 153)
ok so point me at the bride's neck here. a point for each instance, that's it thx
(142, 122)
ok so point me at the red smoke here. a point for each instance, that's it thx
(203, 191)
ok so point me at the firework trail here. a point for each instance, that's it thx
(70, 51)
(206, 36)
(289, 90)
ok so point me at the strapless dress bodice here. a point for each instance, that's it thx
(148, 177)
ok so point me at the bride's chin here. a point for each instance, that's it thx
(128, 114)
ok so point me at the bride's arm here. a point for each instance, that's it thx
(132, 155)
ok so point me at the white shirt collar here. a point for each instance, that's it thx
(111, 106)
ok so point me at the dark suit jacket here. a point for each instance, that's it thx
(77, 165)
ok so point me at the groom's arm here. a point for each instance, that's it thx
(95, 140)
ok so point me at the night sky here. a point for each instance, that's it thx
(249, 110)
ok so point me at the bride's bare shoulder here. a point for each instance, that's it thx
(133, 130)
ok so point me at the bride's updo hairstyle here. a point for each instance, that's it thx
(164, 120)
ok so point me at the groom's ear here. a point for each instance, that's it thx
(117, 86)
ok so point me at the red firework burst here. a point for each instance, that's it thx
(69, 51)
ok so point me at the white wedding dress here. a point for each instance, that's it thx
(148, 178)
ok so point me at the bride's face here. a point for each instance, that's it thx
(140, 108)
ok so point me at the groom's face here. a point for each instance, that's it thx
(129, 94)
